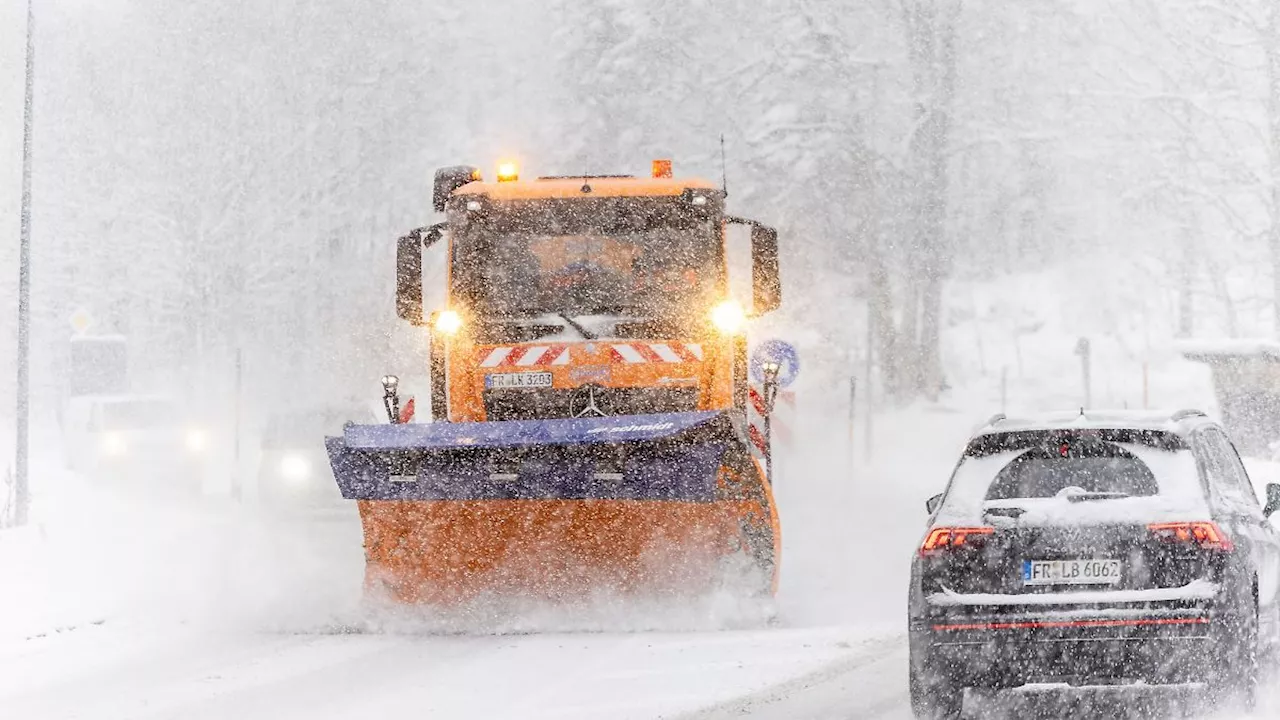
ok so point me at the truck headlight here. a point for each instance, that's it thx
(294, 468)
(113, 444)
(448, 322)
(196, 440)
(728, 317)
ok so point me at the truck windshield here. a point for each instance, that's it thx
(619, 256)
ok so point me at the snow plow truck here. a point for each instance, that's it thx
(587, 428)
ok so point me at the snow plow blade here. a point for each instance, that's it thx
(631, 504)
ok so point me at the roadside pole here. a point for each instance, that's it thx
(1146, 386)
(21, 493)
(1083, 350)
(853, 396)
(770, 390)
(237, 491)
(1004, 389)
(766, 367)
(866, 403)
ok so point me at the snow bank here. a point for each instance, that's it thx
(95, 555)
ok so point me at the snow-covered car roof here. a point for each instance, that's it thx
(1179, 422)
(1228, 348)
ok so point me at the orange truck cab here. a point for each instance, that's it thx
(589, 385)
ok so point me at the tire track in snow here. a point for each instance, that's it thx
(875, 688)
(817, 691)
(196, 675)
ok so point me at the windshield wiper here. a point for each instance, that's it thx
(1082, 497)
(586, 334)
(1010, 512)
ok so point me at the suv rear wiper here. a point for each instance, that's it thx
(1084, 496)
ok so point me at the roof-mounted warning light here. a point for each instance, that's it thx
(508, 171)
(662, 168)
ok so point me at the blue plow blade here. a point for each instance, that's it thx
(668, 456)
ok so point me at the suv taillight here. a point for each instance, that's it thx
(1202, 534)
(940, 539)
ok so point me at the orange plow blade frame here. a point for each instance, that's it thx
(638, 505)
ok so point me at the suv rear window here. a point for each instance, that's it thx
(1093, 467)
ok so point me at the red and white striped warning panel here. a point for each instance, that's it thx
(630, 353)
(645, 352)
(526, 356)
(784, 407)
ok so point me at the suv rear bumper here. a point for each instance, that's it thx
(1076, 647)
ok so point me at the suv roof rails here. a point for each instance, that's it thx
(1187, 413)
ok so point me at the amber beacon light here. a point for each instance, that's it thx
(508, 171)
(662, 168)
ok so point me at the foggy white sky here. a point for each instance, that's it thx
(195, 164)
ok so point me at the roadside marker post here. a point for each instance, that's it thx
(1146, 397)
(1084, 351)
(853, 445)
(774, 366)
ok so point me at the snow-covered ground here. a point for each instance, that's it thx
(128, 608)
(116, 672)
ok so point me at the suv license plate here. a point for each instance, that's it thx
(518, 380)
(1070, 572)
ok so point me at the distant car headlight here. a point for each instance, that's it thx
(113, 444)
(196, 440)
(295, 468)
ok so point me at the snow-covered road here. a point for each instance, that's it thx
(101, 671)
(871, 685)
(128, 609)
(125, 610)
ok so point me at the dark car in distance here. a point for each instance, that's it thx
(1094, 549)
(294, 476)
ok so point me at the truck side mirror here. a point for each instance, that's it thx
(766, 285)
(449, 179)
(409, 251)
(1273, 499)
(409, 278)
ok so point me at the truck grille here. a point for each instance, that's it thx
(512, 404)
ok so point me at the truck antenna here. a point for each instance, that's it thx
(724, 175)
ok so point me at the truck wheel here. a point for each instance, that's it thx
(934, 697)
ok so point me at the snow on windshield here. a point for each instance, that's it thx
(977, 486)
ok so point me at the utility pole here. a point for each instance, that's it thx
(237, 488)
(22, 497)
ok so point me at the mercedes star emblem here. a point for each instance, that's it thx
(583, 402)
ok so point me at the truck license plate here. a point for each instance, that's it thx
(518, 380)
(1070, 572)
